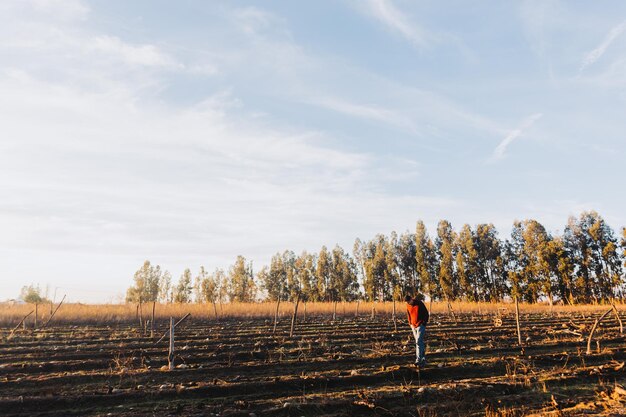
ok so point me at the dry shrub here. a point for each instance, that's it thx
(79, 313)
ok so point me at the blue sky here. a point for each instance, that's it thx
(190, 132)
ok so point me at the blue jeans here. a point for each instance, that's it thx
(419, 333)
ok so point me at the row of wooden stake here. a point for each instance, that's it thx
(36, 311)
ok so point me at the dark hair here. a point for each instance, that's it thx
(407, 298)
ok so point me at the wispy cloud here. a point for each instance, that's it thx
(146, 55)
(597, 53)
(386, 12)
(368, 112)
(500, 150)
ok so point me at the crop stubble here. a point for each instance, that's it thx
(351, 366)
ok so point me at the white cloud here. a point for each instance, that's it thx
(597, 53)
(368, 112)
(386, 12)
(500, 150)
(146, 55)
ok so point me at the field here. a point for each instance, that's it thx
(97, 360)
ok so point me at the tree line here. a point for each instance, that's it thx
(584, 264)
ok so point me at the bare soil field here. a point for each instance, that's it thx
(356, 366)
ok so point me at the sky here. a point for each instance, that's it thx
(190, 132)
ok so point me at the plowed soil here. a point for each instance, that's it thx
(351, 366)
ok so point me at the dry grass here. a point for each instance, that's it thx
(10, 315)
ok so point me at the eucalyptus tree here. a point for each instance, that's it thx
(274, 279)
(592, 249)
(305, 276)
(322, 274)
(489, 264)
(445, 254)
(184, 288)
(146, 284)
(426, 262)
(208, 288)
(241, 280)
(165, 288)
(467, 264)
(344, 285)
(407, 263)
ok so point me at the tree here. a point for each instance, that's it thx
(489, 263)
(31, 294)
(197, 285)
(322, 274)
(562, 268)
(147, 282)
(305, 274)
(209, 288)
(165, 289)
(592, 249)
(467, 264)
(426, 262)
(184, 288)
(242, 285)
(358, 250)
(445, 245)
(274, 279)
(379, 270)
(406, 253)
(343, 284)
(393, 276)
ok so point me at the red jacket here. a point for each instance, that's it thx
(417, 313)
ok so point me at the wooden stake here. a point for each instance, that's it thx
(152, 321)
(619, 320)
(55, 311)
(276, 316)
(170, 356)
(36, 313)
(356, 313)
(141, 324)
(593, 329)
(335, 311)
(19, 324)
(175, 324)
(295, 313)
(304, 319)
(519, 332)
(395, 323)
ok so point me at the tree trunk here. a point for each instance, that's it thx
(36, 313)
(215, 309)
(356, 313)
(395, 323)
(334, 310)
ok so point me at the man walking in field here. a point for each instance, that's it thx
(417, 313)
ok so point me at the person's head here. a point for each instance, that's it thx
(419, 297)
(407, 298)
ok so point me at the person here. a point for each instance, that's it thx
(417, 314)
